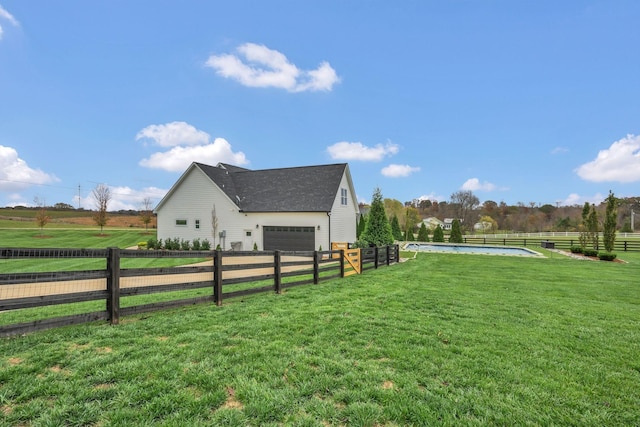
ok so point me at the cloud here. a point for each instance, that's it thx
(620, 162)
(16, 175)
(358, 151)
(432, 197)
(189, 145)
(575, 199)
(6, 16)
(126, 198)
(559, 150)
(174, 134)
(398, 171)
(264, 67)
(473, 184)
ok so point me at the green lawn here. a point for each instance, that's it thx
(438, 340)
(81, 237)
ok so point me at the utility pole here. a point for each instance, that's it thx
(633, 228)
(79, 198)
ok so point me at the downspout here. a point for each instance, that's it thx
(329, 221)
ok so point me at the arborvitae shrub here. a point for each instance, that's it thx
(576, 249)
(590, 252)
(607, 256)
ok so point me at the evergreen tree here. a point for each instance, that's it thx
(610, 221)
(592, 227)
(377, 231)
(456, 232)
(583, 237)
(438, 235)
(409, 237)
(423, 234)
(361, 225)
(395, 228)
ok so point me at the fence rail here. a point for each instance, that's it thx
(559, 243)
(217, 270)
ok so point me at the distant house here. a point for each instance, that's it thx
(432, 222)
(298, 208)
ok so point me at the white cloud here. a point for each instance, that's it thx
(16, 175)
(559, 150)
(179, 158)
(432, 197)
(126, 198)
(266, 67)
(398, 171)
(357, 151)
(174, 134)
(575, 199)
(6, 16)
(620, 162)
(474, 184)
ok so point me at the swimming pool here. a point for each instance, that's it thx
(470, 249)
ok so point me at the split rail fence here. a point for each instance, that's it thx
(116, 275)
(558, 243)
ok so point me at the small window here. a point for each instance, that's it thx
(248, 234)
(197, 223)
(181, 222)
(343, 196)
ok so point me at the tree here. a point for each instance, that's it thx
(423, 234)
(214, 224)
(583, 237)
(488, 224)
(438, 234)
(409, 237)
(102, 195)
(361, 225)
(610, 221)
(395, 228)
(592, 226)
(42, 219)
(377, 231)
(146, 214)
(456, 232)
(465, 202)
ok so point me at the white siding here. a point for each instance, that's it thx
(344, 217)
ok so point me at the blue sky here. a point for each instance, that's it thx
(517, 101)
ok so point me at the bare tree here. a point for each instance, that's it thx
(42, 218)
(146, 214)
(102, 195)
(214, 225)
(465, 203)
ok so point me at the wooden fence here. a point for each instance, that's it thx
(558, 243)
(221, 271)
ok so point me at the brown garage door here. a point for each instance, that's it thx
(289, 238)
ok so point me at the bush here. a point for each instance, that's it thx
(607, 256)
(590, 252)
(142, 245)
(576, 249)
(152, 243)
(196, 245)
(205, 245)
(185, 245)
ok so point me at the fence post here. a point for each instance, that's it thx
(388, 255)
(113, 285)
(316, 267)
(217, 277)
(342, 263)
(397, 253)
(375, 253)
(277, 273)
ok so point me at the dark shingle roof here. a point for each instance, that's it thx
(299, 189)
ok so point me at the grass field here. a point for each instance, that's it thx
(437, 340)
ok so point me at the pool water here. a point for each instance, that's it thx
(470, 249)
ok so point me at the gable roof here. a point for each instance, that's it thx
(297, 189)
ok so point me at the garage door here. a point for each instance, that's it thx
(289, 238)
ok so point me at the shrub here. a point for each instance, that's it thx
(576, 249)
(185, 245)
(152, 243)
(142, 245)
(607, 256)
(590, 252)
(255, 246)
(205, 245)
(159, 244)
(196, 245)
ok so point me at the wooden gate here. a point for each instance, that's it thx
(351, 258)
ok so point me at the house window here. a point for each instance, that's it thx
(248, 234)
(181, 222)
(343, 196)
(197, 223)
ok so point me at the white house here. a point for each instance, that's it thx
(300, 208)
(432, 222)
